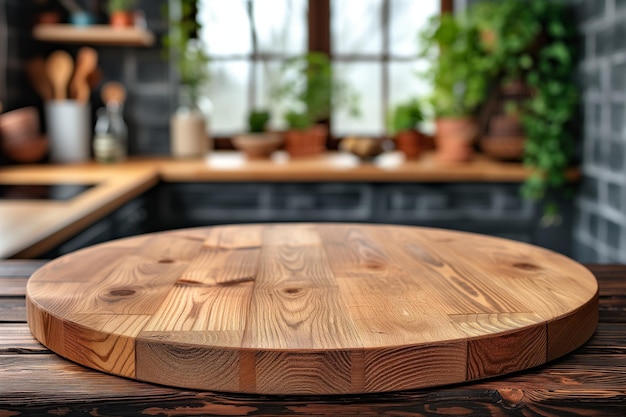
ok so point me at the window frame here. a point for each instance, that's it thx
(319, 40)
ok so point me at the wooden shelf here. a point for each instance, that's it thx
(94, 34)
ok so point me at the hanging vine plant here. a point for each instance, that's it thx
(532, 41)
(549, 113)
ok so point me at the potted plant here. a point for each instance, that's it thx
(258, 143)
(190, 135)
(402, 123)
(312, 91)
(459, 82)
(121, 12)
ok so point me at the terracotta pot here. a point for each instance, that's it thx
(515, 88)
(505, 125)
(121, 19)
(409, 143)
(308, 142)
(48, 18)
(454, 138)
(504, 148)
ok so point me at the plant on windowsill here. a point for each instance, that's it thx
(189, 128)
(459, 79)
(121, 12)
(258, 143)
(532, 43)
(403, 126)
(309, 86)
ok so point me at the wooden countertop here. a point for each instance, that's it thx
(589, 381)
(29, 228)
(231, 166)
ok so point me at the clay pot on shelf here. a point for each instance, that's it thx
(503, 136)
(504, 139)
(409, 143)
(455, 138)
(121, 19)
(306, 142)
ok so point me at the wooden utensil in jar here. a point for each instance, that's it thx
(86, 63)
(59, 67)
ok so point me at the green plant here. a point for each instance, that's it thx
(457, 72)
(507, 32)
(511, 108)
(297, 120)
(120, 5)
(257, 121)
(533, 41)
(405, 116)
(182, 45)
(549, 113)
(310, 87)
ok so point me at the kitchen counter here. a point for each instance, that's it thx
(590, 381)
(28, 228)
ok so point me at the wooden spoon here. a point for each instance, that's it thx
(86, 63)
(59, 68)
(36, 69)
(113, 92)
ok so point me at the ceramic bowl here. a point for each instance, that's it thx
(258, 145)
(20, 124)
(26, 151)
(364, 147)
(20, 137)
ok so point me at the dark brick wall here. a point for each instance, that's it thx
(143, 71)
(16, 44)
(600, 225)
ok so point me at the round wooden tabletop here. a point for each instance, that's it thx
(312, 308)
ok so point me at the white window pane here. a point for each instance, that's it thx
(228, 91)
(225, 27)
(356, 26)
(267, 76)
(365, 78)
(281, 25)
(405, 83)
(407, 17)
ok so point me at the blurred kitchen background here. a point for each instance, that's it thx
(374, 46)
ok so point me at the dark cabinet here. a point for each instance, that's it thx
(128, 220)
(489, 208)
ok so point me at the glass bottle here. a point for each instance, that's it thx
(111, 134)
(104, 142)
(115, 112)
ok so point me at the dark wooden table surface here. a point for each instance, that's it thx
(591, 381)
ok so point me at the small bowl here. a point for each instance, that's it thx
(257, 145)
(20, 124)
(363, 147)
(26, 151)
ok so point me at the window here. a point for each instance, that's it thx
(373, 45)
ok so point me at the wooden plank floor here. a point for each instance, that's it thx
(591, 381)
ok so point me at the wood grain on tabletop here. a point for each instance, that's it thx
(315, 309)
